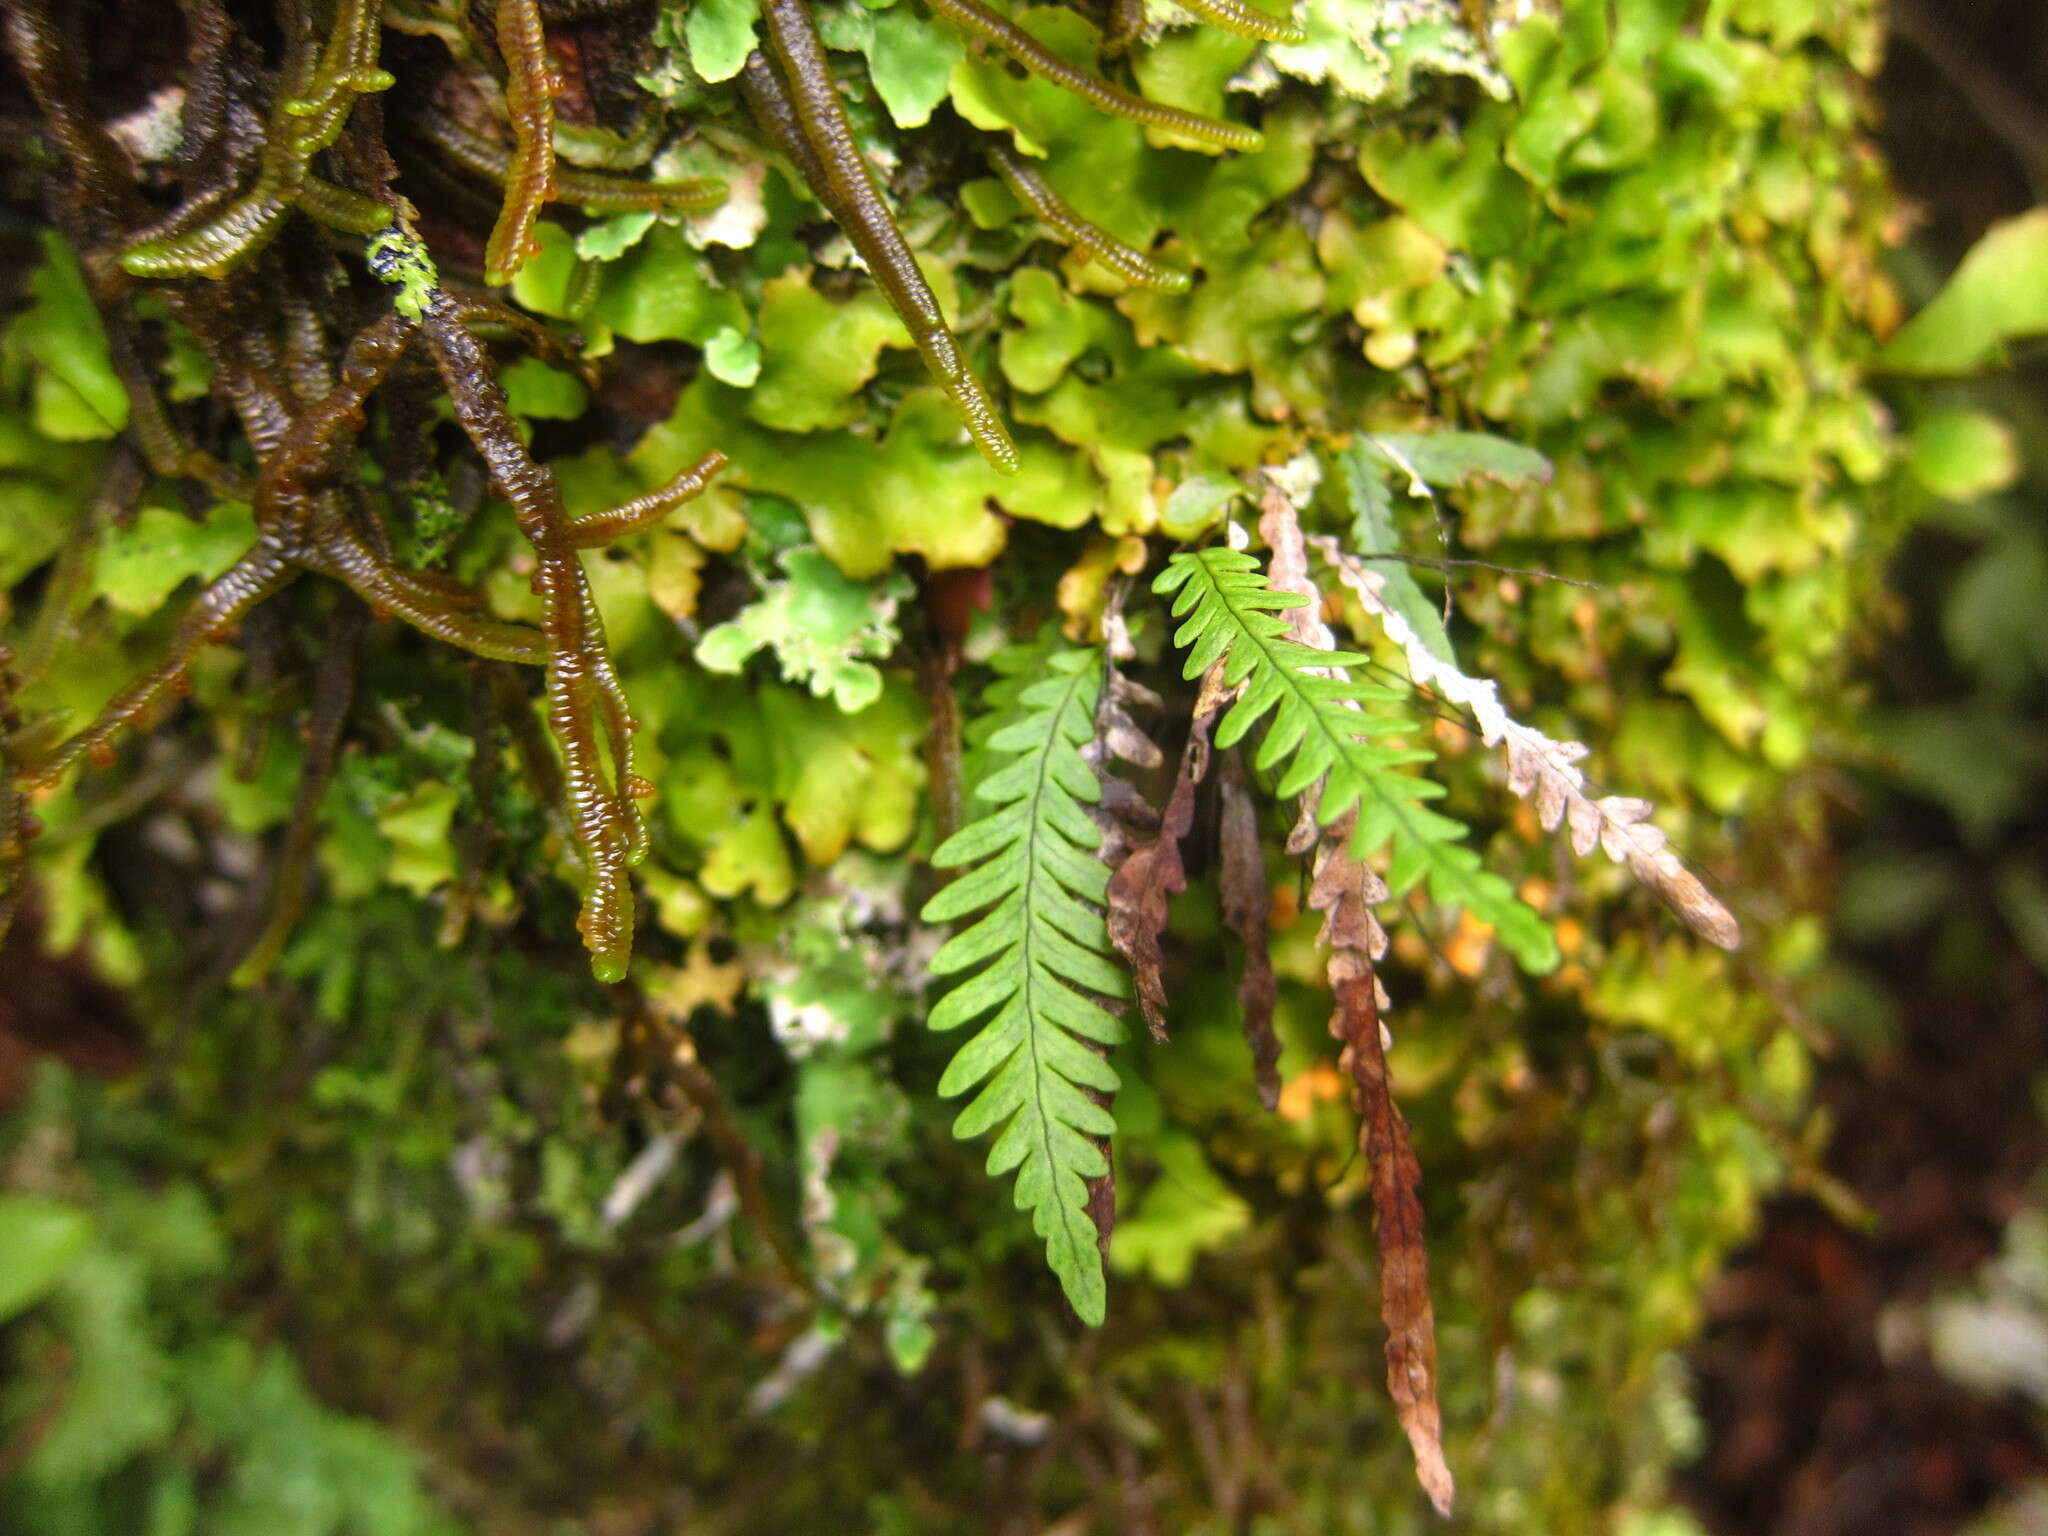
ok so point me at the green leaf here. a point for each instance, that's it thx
(532, 388)
(1439, 459)
(40, 511)
(187, 371)
(543, 283)
(822, 625)
(658, 291)
(1374, 52)
(1456, 185)
(1422, 463)
(1320, 733)
(922, 489)
(1991, 615)
(818, 353)
(77, 395)
(1197, 503)
(609, 239)
(118, 1399)
(1961, 455)
(1186, 1211)
(1973, 759)
(1998, 294)
(908, 1333)
(720, 34)
(2023, 901)
(416, 826)
(1038, 955)
(911, 63)
(842, 778)
(1373, 531)
(39, 1240)
(141, 565)
(733, 357)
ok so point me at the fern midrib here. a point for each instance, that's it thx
(1368, 777)
(1032, 875)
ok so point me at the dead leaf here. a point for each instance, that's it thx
(1117, 731)
(1396, 1222)
(1247, 912)
(1345, 890)
(1540, 769)
(1120, 810)
(1287, 569)
(1122, 803)
(1152, 873)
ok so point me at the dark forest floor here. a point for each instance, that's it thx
(1817, 1428)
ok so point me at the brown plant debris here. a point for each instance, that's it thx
(1396, 1221)
(1120, 735)
(1151, 874)
(656, 1061)
(1345, 891)
(1287, 569)
(531, 86)
(1121, 811)
(1247, 907)
(1546, 770)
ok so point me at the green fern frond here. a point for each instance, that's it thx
(1230, 612)
(1037, 952)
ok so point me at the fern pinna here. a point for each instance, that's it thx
(1322, 730)
(1036, 953)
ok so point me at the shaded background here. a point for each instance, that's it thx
(1887, 1377)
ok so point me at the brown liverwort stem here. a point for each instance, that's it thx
(836, 171)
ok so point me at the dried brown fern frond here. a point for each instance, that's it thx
(1546, 771)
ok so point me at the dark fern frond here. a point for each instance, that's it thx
(1322, 731)
(1039, 958)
